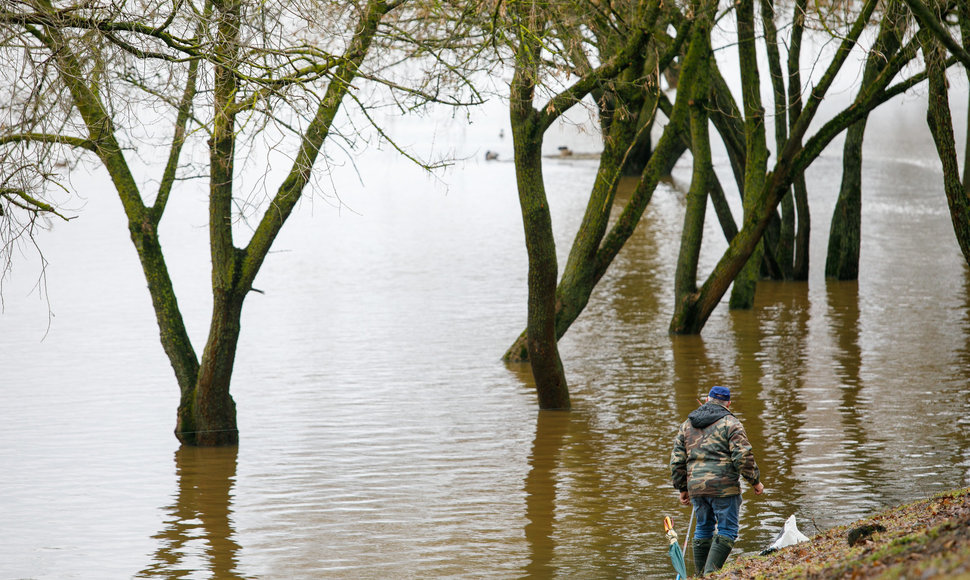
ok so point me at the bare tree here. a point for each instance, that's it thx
(540, 57)
(94, 80)
(627, 106)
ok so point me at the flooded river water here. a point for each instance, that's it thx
(381, 435)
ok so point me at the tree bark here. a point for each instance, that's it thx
(803, 219)
(783, 242)
(550, 378)
(756, 149)
(527, 133)
(698, 90)
(207, 412)
(941, 125)
(845, 232)
(963, 17)
(842, 259)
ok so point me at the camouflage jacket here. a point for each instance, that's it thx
(711, 452)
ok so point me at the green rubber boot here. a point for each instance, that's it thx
(701, 548)
(720, 548)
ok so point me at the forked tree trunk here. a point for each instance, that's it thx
(587, 261)
(791, 161)
(207, 413)
(590, 257)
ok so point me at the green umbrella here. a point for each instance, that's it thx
(676, 554)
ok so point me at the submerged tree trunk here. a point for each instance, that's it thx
(590, 256)
(842, 259)
(845, 233)
(207, 412)
(698, 88)
(541, 342)
(528, 130)
(622, 141)
(593, 251)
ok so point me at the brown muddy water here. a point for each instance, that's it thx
(383, 438)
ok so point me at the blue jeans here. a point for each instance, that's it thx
(721, 512)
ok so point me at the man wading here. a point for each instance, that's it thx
(711, 453)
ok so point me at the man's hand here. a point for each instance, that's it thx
(759, 489)
(685, 498)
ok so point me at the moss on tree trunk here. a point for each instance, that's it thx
(941, 126)
(541, 340)
(698, 89)
(756, 148)
(845, 232)
(207, 412)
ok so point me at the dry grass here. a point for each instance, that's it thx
(928, 539)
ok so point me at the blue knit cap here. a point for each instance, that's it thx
(720, 393)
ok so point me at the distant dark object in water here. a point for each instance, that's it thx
(858, 535)
(788, 536)
(565, 151)
(491, 156)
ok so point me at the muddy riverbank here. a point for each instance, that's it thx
(924, 539)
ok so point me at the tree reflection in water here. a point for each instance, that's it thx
(540, 489)
(198, 534)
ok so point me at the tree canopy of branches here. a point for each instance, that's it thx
(765, 243)
(93, 81)
(90, 82)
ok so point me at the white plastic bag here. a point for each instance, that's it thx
(789, 536)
